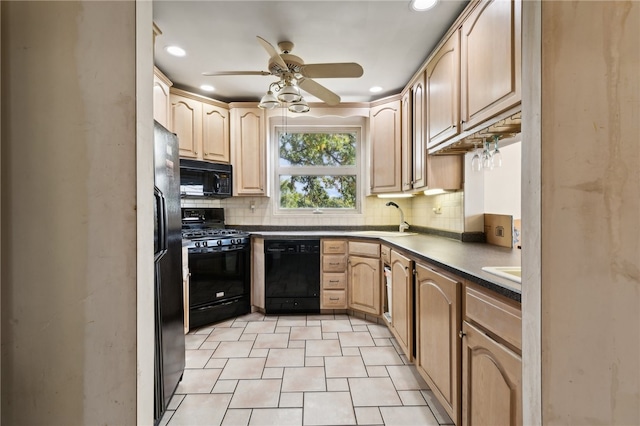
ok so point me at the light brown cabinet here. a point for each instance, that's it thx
(402, 302)
(386, 151)
(490, 60)
(334, 274)
(161, 100)
(406, 141)
(419, 127)
(491, 361)
(249, 147)
(364, 277)
(202, 126)
(438, 347)
(443, 92)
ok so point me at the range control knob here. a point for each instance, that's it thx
(219, 242)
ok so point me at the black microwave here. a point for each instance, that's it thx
(200, 179)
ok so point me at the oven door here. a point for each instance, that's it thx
(218, 276)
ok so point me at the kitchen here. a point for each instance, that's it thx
(63, 330)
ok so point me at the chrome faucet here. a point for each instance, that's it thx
(403, 225)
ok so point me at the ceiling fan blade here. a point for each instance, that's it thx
(213, 73)
(273, 53)
(319, 91)
(337, 70)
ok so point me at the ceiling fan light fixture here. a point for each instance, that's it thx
(422, 5)
(299, 107)
(268, 101)
(289, 93)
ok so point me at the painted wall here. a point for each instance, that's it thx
(69, 213)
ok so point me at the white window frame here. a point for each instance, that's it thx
(316, 170)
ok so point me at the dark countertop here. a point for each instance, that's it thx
(461, 258)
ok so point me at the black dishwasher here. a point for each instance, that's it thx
(292, 276)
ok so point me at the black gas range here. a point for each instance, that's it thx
(219, 265)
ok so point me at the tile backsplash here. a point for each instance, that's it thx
(418, 211)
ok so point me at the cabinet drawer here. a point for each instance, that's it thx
(502, 319)
(334, 246)
(364, 249)
(385, 255)
(334, 280)
(334, 299)
(334, 263)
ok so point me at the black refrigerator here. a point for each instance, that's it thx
(169, 317)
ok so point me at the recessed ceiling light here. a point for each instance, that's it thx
(207, 88)
(422, 5)
(175, 51)
(375, 89)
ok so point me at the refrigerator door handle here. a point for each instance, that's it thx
(161, 221)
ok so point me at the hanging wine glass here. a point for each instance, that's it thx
(476, 165)
(487, 164)
(496, 155)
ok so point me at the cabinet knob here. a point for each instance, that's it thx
(461, 334)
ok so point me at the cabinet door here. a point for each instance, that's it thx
(419, 127)
(406, 141)
(250, 151)
(385, 148)
(443, 94)
(161, 100)
(364, 284)
(438, 348)
(491, 381)
(491, 60)
(215, 133)
(402, 302)
(186, 117)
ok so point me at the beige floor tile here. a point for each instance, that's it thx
(373, 392)
(209, 345)
(253, 316)
(197, 358)
(382, 342)
(203, 330)
(403, 416)
(198, 381)
(369, 416)
(225, 335)
(285, 330)
(350, 339)
(273, 373)
(406, 377)
(411, 397)
(313, 323)
(297, 344)
(225, 386)
(292, 321)
(380, 356)
(233, 350)
(330, 336)
(271, 318)
(193, 341)
(377, 371)
(256, 394)
(237, 417)
(285, 358)
(360, 328)
(314, 361)
(197, 410)
(336, 325)
(216, 363)
(404, 359)
(305, 333)
(358, 321)
(166, 418)
(243, 368)
(291, 400)
(337, 385)
(259, 353)
(354, 351)
(260, 327)
(342, 317)
(239, 324)
(175, 401)
(271, 341)
(303, 379)
(436, 408)
(248, 337)
(223, 324)
(328, 408)
(345, 366)
(379, 331)
(323, 348)
(276, 417)
(318, 317)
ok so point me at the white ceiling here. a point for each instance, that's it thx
(387, 38)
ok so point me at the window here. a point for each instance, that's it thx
(317, 169)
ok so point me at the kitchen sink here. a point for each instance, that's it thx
(513, 273)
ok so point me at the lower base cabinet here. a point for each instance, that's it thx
(402, 302)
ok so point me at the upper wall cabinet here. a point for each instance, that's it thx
(419, 126)
(386, 151)
(202, 126)
(249, 159)
(406, 144)
(491, 60)
(443, 92)
(161, 101)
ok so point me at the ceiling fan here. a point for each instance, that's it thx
(294, 73)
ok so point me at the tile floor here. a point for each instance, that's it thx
(299, 370)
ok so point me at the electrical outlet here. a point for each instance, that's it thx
(437, 210)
